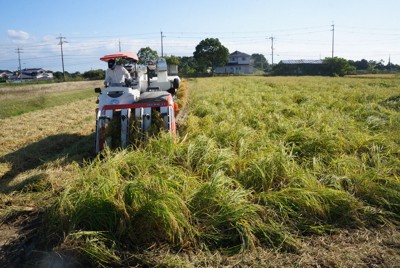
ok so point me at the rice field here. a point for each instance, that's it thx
(260, 164)
(20, 99)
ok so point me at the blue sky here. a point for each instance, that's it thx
(364, 29)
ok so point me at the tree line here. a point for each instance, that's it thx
(210, 53)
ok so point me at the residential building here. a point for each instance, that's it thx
(32, 74)
(5, 74)
(239, 63)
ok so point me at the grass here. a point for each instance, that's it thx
(11, 84)
(258, 163)
(41, 102)
(29, 98)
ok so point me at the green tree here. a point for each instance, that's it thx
(59, 75)
(361, 65)
(172, 60)
(76, 76)
(210, 53)
(147, 54)
(380, 65)
(187, 65)
(94, 74)
(392, 67)
(338, 66)
(260, 62)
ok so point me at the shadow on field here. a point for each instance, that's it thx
(68, 147)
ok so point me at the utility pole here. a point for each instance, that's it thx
(18, 50)
(62, 54)
(162, 46)
(333, 38)
(119, 42)
(272, 49)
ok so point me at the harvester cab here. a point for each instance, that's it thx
(130, 112)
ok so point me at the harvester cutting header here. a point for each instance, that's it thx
(136, 101)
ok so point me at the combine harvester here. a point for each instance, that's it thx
(131, 111)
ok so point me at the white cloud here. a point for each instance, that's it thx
(18, 35)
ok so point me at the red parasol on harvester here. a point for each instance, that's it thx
(121, 55)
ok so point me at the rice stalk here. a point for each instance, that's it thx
(90, 248)
(268, 172)
(202, 156)
(224, 216)
(382, 192)
(313, 210)
(157, 213)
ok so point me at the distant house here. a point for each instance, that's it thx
(300, 67)
(239, 63)
(32, 74)
(5, 74)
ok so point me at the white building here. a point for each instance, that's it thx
(33, 74)
(239, 63)
(5, 74)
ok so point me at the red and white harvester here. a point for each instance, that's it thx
(129, 112)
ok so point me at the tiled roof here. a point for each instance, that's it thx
(239, 54)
